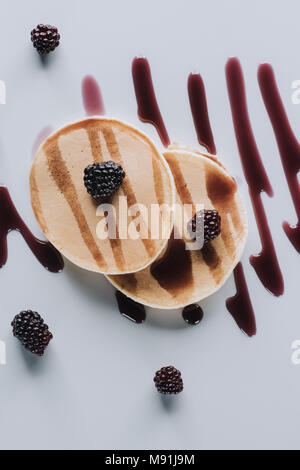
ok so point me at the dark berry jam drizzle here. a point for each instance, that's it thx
(240, 306)
(199, 109)
(10, 220)
(288, 145)
(92, 97)
(192, 314)
(130, 309)
(265, 263)
(148, 110)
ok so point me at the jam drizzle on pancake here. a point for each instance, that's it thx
(173, 271)
(92, 97)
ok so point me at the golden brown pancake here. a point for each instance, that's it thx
(67, 213)
(182, 277)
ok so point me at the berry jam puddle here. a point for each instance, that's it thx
(239, 306)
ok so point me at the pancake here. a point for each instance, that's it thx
(181, 276)
(68, 215)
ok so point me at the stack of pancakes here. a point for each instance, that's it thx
(158, 272)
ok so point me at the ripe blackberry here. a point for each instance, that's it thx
(102, 180)
(30, 329)
(206, 224)
(45, 38)
(168, 381)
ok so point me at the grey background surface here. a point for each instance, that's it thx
(93, 389)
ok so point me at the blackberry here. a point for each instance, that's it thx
(206, 224)
(30, 329)
(168, 381)
(45, 38)
(102, 180)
